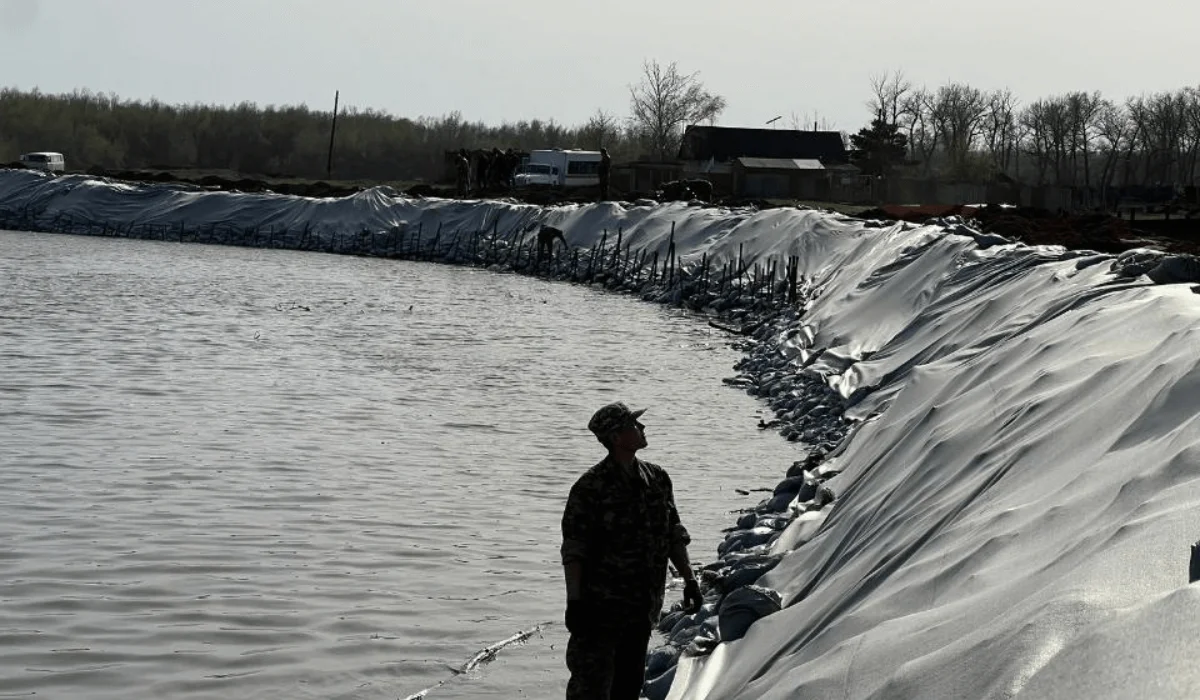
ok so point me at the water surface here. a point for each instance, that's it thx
(246, 473)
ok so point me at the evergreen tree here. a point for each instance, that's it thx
(878, 148)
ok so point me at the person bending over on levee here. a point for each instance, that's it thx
(619, 528)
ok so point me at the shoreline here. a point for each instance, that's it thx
(811, 376)
(759, 309)
(1104, 232)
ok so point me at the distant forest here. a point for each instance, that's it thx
(103, 130)
(1077, 139)
(951, 132)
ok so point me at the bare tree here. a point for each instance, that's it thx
(1192, 134)
(1048, 137)
(1160, 121)
(666, 101)
(1134, 109)
(1113, 131)
(1059, 131)
(600, 130)
(958, 112)
(1082, 111)
(916, 114)
(1000, 129)
(888, 93)
(1037, 141)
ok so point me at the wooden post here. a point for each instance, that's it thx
(793, 270)
(741, 267)
(332, 129)
(770, 278)
(671, 254)
(600, 258)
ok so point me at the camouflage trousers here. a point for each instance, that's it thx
(607, 664)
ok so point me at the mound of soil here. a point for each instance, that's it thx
(1100, 232)
(1096, 231)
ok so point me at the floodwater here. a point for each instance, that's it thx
(246, 473)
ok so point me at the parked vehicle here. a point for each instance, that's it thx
(568, 168)
(536, 175)
(44, 160)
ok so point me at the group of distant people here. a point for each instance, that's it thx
(483, 169)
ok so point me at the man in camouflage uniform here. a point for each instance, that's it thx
(462, 167)
(603, 171)
(619, 529)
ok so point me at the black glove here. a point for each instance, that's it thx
(580, 616)
(692, 600)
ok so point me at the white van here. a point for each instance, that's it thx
(44, 160)
(569, 168)
(536, 174)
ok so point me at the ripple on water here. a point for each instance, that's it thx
(211, 493)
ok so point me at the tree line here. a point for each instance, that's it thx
(1078, 139)
(103, 130)
(952, 132)
(289, 141)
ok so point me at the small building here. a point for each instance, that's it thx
(765, 163)
(779, 178)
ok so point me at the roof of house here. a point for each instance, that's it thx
(781, 163)
(721, 143)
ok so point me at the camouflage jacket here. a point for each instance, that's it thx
(621, 525)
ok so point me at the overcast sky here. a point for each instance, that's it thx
(507, 60)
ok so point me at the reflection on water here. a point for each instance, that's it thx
(248, 473)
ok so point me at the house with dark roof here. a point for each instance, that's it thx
(767, 163)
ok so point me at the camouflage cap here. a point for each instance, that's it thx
(613, 417)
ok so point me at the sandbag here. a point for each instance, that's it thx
(744, 607)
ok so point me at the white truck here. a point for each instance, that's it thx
(44, 160)
(560, 168)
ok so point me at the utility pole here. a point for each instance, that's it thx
(772, 121)
(332, 129)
